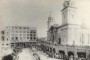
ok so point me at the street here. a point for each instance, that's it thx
(44, 56)
(28, 54)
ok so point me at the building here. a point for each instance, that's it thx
(70, 39)
(18, 37)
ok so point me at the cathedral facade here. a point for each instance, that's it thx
(70, 32)
(70, 38)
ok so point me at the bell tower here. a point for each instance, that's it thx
(69, 12)
(50, 21)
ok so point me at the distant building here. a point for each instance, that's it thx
(69, 39)
(18, 36)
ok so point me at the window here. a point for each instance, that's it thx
(30, 34)
(31, 38)
(27, 37)
(12, 38)
(68, 3)
(24, 27)
(27, 27)
(2, 38)
(27, 34)
(20, 27)
(34, 37)
(12, 45)
(7, 44)
(7, 39)
(32, 31)
(12, 27)
(2, 32)
(16, 38)
(59, 41)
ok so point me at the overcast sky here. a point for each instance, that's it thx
(34, 13)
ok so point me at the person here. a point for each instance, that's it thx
(38, 58)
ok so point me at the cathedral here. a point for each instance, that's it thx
(70, 32)
(70, 38)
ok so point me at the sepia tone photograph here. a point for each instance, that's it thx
(44, 29)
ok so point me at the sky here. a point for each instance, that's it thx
(34, 13)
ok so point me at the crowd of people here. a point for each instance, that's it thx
(37, 57)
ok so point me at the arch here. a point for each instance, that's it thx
(8, 57)
(70, 54)
(81, 54)
(62, 53)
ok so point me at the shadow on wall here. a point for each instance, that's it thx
(8, 57)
